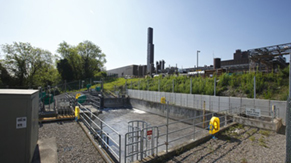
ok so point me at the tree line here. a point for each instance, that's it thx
(25, 66)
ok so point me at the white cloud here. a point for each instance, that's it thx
(92, 12)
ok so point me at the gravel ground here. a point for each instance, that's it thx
(239, 144)
(72, 143)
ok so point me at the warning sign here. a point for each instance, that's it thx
(20, 122)
(149, 134)
(253, 112)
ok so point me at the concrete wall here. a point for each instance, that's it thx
(213, 103)
(116, 102)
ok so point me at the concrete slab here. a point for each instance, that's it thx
(48, 150)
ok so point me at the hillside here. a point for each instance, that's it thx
(272, 85)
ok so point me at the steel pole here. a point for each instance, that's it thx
(167, 137)
(215, 86)
(254, 87)
(159, 85)
(190, 85)
(173, 86)
(288, 119)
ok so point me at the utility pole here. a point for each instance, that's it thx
(288, 120)
(197, 57)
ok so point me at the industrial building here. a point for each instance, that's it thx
(129, 71)
(264, 59)
(142, 70)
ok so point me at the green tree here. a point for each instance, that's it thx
(92, 57)
(22, 61)
(70, 66)
(78, 62)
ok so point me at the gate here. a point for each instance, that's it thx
(140, 141)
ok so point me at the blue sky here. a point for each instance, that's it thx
(119, 27)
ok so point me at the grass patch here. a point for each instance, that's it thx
(265, 133)
(262, 142)
(252, 138)
(244, 160)
(240, 126)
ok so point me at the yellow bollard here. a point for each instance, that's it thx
(77, 113)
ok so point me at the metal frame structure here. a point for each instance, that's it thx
(266, 55)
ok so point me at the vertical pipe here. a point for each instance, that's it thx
(288, 119)
(203, 114)
(125, 142)
(159, 85)
(141, 144)
(215, 86)
(190, 85)
(254, 87)
(152, 146)
(119, 152)
(173, 86)
(101, 134)
(167, 127)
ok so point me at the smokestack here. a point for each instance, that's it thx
(150, 50)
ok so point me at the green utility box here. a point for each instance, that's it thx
(18, 124)
(82, 99)
(98, 89)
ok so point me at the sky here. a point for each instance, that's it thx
(119, 27)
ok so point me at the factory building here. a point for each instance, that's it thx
(129, 71)
(142, 70)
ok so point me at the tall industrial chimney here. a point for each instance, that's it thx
(150, 51)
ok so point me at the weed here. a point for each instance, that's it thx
(262, 142)
(244, 160)
(264, 132)
(240, 126)
(252, 138)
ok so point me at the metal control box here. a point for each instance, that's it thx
(18, 124)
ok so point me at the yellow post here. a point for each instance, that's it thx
(77, 113)
(203, 114)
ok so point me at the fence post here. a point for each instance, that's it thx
(173, 87)
(131, 84)
(288, 120)
(203, 114)
(269, 107)
(254, 87)
(190, 85)
(215, 86)
(119, 152)
(79, 84)
(148, 84)
(167, 140)
(193, 136)
(159, 85)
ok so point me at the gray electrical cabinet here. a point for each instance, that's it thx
(18, 124)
